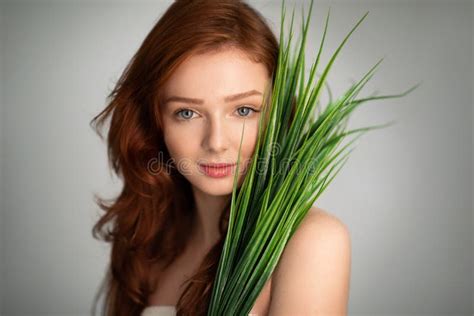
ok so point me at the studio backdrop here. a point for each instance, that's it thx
(405, 193)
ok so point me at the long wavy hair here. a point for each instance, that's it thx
(147, 222)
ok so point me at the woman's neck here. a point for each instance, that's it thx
(208, 210)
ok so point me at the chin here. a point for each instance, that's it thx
(215, 186)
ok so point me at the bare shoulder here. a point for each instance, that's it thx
(322, 221)
(313, 273)
(319, 228)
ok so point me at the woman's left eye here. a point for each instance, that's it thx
(245, 110)
(184, 114)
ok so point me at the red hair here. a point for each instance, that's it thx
(150, 217)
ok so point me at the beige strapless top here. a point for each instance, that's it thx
(159, 310)
(164, 310)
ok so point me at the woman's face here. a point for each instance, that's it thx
(206, 102)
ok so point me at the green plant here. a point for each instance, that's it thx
(280, 187)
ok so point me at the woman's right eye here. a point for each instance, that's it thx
(186, 114)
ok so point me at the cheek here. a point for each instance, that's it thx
(248, 149)
(180, 148)
(179, 141)
(250, 141)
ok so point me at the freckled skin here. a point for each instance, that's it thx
(208, 133)
(211, 132)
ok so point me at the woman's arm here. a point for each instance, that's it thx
(313, 274)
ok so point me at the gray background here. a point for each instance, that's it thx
(405, 193)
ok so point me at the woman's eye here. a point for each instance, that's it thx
(245, 110)
(186, 114)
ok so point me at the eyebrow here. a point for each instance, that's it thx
(228, 98)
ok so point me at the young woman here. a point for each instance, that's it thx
(176, 117)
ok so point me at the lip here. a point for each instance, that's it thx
(217, 170)
(217, 165)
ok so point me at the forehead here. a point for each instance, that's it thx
(215, 75)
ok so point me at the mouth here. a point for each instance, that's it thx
(217, 165)
(217, 170)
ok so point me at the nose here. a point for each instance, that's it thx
(215, 139)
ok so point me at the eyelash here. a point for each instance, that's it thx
(187, 119)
